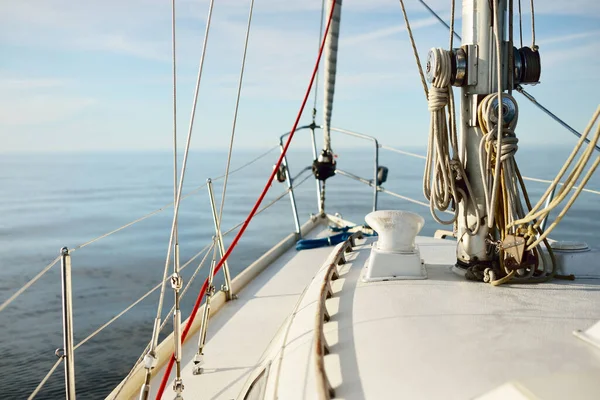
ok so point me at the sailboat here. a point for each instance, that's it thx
(489, 309)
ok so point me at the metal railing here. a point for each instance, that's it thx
(66, 354)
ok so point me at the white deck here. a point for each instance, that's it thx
(448, 338)
(443, 337)
(241, 331)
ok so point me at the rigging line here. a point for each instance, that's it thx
(176, 269)
(127, 225)
(381, 146)
(414, 46)
(520, 25)
(264, 208)
(205, 250)
(452, 10)
(318, 44)
(383, 190)
(533, 46)
(45, 379)
(436, 15)
(28, 284)
(511, 61)
(254, 208)
(561, 184)
(499, 125)
(592, 191)
(562, 123)
(174, 116)
(148, 293)
(180, 188)
(235, 114)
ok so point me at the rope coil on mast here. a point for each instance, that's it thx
(444, 180)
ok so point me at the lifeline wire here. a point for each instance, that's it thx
(254, 209)
(151, 359)
(127, 225)
(235, 114)
(104, 326)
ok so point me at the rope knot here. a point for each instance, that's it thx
(457, 169)
(438, 98)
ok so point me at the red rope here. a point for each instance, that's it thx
(165, 378)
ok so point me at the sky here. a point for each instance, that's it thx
(96, 75)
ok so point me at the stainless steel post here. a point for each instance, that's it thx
(288, 179)
(210, 289)
(315, 155)
(227, 287)
(67, 305)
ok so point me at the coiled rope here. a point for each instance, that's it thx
(444, 179)
(536, 215)
(495, 165)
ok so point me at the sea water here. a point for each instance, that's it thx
(53, 200)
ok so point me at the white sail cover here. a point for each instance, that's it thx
(331, 50)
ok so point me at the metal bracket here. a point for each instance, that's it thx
(219, 236)
(472, 63)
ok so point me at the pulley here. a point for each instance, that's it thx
(509, 110)
(528, 67)
(458, 60)
(324, 166)
(382, 173)
(281, 175)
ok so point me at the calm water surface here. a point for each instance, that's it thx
(54, 200)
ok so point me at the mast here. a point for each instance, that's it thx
(324, 166)
(479, 42)
(331, 50)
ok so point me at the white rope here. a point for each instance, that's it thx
(533, 45)
(488, 148)
(500, 135)
(443, 167)
(539, 214)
